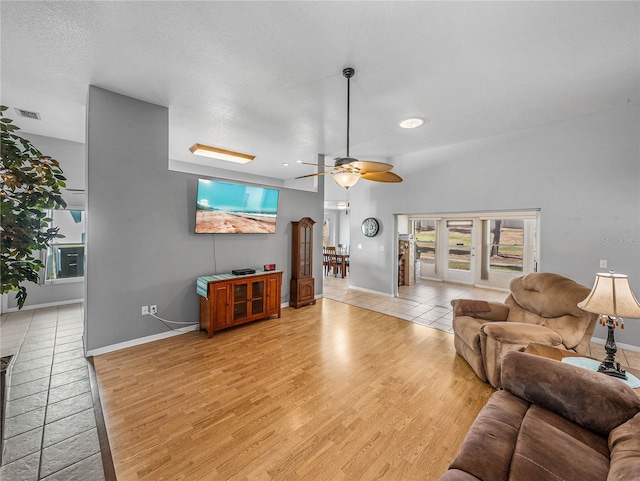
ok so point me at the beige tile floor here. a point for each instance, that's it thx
(50, 427)
(429, 303)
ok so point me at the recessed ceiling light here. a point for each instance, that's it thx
(285, 165)
(298, 161)
(411, 123)
(221, 154)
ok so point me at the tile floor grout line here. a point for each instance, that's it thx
(46, 406)
(107, 471)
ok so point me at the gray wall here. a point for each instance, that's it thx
(71, 156)
(141, 249)
(584, 175)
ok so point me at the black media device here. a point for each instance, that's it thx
(243, 272)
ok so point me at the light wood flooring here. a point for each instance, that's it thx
(429, 303)
(327, 392)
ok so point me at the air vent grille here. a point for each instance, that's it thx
(28, 114)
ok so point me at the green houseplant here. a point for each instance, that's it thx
(31, 184)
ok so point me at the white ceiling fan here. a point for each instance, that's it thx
(346, 171)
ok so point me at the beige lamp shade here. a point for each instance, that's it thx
(346, 179)
(611, 295)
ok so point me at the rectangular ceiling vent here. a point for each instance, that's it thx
(28, 114)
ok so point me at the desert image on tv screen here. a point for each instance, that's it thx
(224, 208)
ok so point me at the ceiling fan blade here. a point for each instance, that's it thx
(381, 177)
(369, 166)
(316, 174)
(318, 165)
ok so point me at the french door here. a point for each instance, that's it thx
(460, 250)
(484, 249)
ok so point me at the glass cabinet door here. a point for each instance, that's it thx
(240, 298)
(305, 251)
(257, 297)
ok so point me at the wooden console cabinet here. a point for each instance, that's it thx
(232, 300)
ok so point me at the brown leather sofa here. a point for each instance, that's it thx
(542, 308)
(553, 421)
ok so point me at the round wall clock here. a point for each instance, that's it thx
(370, 227)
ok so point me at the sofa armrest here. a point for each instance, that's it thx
(624, 444)
(521, 334)
(490, 311)
(457, 475)
(591, 399)
(498, 338)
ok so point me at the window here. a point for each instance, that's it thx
(325, 232)
(425, 233)
(506, 241)
(65, 256)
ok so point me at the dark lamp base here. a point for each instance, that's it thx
(612, 369)
(609, 366)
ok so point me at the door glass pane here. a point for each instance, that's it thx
(460, 245)
(257, 297)
(239, 310)
(240, 298)
(240, 292)
(506, 240)
(257, 305)
(424, 232)
(257, 289)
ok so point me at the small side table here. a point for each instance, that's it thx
(559, 354)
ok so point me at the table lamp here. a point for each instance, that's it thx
(611, 298)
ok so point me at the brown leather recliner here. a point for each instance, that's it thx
(552, 421)
(542, 308)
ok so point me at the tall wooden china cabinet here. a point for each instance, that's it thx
(302, 285)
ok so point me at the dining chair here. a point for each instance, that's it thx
(326, 259)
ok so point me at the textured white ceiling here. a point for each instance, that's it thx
(265, 78)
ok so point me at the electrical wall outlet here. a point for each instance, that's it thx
(603, 263)
(145, 310)
(153, 309)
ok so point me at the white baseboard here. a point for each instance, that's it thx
(45, 305)
(316, 296)
(621, 345)
(142, 340)
(370, 291)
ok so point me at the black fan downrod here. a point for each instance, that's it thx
(348, 73)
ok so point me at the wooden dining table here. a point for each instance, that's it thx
(335, 259)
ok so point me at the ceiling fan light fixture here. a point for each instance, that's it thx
(221, 154)
(412, 123)
(347, 170)
(346, 179)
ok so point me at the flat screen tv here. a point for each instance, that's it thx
(226, 208)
